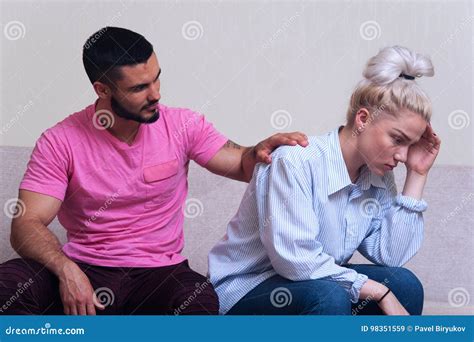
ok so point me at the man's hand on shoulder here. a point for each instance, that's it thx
(238, 162)
(264, 148)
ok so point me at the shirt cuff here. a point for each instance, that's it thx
(411, 203)
(43, 190)
(356, 286)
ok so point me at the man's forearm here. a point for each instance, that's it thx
(249, 161)
(241, 161)
(32, 239)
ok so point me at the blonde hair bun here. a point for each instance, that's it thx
(387, 66)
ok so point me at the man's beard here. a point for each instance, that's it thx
(122, 112)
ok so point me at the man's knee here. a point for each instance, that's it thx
(194, 293)
(19, 279)
(199, 299)
(19, 271)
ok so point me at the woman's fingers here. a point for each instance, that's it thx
(430, 136)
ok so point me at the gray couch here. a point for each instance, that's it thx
(443, 264)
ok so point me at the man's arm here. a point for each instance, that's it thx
(31, 238)
(238, 162)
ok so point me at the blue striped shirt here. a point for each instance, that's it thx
(301, 217)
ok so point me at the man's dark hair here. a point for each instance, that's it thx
(111, 48)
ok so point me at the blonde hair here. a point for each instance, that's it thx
(383, 89)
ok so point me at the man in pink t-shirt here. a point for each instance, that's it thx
(115, 174)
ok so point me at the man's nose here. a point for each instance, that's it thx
(154, 94)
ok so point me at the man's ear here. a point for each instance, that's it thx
(362, 118)
(102, 90)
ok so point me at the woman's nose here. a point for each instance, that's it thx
(401, 155)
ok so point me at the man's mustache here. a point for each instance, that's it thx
(151, 104)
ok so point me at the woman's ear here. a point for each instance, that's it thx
(362, 118)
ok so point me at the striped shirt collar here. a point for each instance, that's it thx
(338, 176)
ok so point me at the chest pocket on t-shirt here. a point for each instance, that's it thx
(160, 181)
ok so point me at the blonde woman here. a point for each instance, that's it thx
(302, 217)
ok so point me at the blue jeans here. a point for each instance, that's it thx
(280, 296)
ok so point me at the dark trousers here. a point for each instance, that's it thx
(28, 288)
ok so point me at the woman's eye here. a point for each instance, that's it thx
(397, 140)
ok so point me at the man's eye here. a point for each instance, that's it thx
(137, 89)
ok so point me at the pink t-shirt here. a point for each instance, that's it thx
(122, 205)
